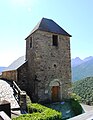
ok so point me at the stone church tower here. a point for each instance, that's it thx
(49, 62)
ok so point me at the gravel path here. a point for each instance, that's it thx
(6, 93)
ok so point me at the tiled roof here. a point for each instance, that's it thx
(49, 26)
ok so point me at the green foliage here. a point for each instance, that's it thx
(76, 107)
(40, 112)
(35, 107)
(75, 97)
(84, 88)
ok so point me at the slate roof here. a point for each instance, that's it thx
(49, 26)
(16, 64)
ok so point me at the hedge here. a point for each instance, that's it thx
(39, 112)
(76, 107)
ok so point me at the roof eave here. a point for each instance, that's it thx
(30, 34)
(47, 31)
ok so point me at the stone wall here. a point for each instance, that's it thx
(19, 75)
(30, 55)
(47, 63)
(10, 75)
(22, 80)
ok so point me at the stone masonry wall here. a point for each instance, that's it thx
(10, 75)
(47, 63)
(30, 57)
(22, 77)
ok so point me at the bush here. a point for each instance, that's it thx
(75, 97)
(76, 107)
(40, 112)
(35, 108)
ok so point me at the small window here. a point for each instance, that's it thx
(55, 40)
(30, 42)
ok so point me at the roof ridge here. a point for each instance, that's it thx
(49, 25)
(37, 26)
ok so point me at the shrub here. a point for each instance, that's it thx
(40, 112)
(35, 108)
(76, 107)
(75, 97)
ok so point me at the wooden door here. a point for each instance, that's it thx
(55, 93)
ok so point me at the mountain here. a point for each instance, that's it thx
(76, 61)
(84, 88)
(16, 64)
(88, 58)
(83, 70)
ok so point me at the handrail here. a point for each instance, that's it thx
(20, 95)
(4, 116)
(15, 85)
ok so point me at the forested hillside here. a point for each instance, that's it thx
(84, 88)
(83, 70)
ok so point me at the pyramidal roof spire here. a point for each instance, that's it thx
(49, 25)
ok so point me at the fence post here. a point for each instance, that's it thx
(23, 100)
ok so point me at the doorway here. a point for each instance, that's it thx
(55, 91)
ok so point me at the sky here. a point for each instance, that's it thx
(19, 17)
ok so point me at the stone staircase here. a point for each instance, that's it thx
(10, 92)
(7, 93)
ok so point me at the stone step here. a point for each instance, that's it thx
(6, 93)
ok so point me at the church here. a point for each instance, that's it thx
(46, 72)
